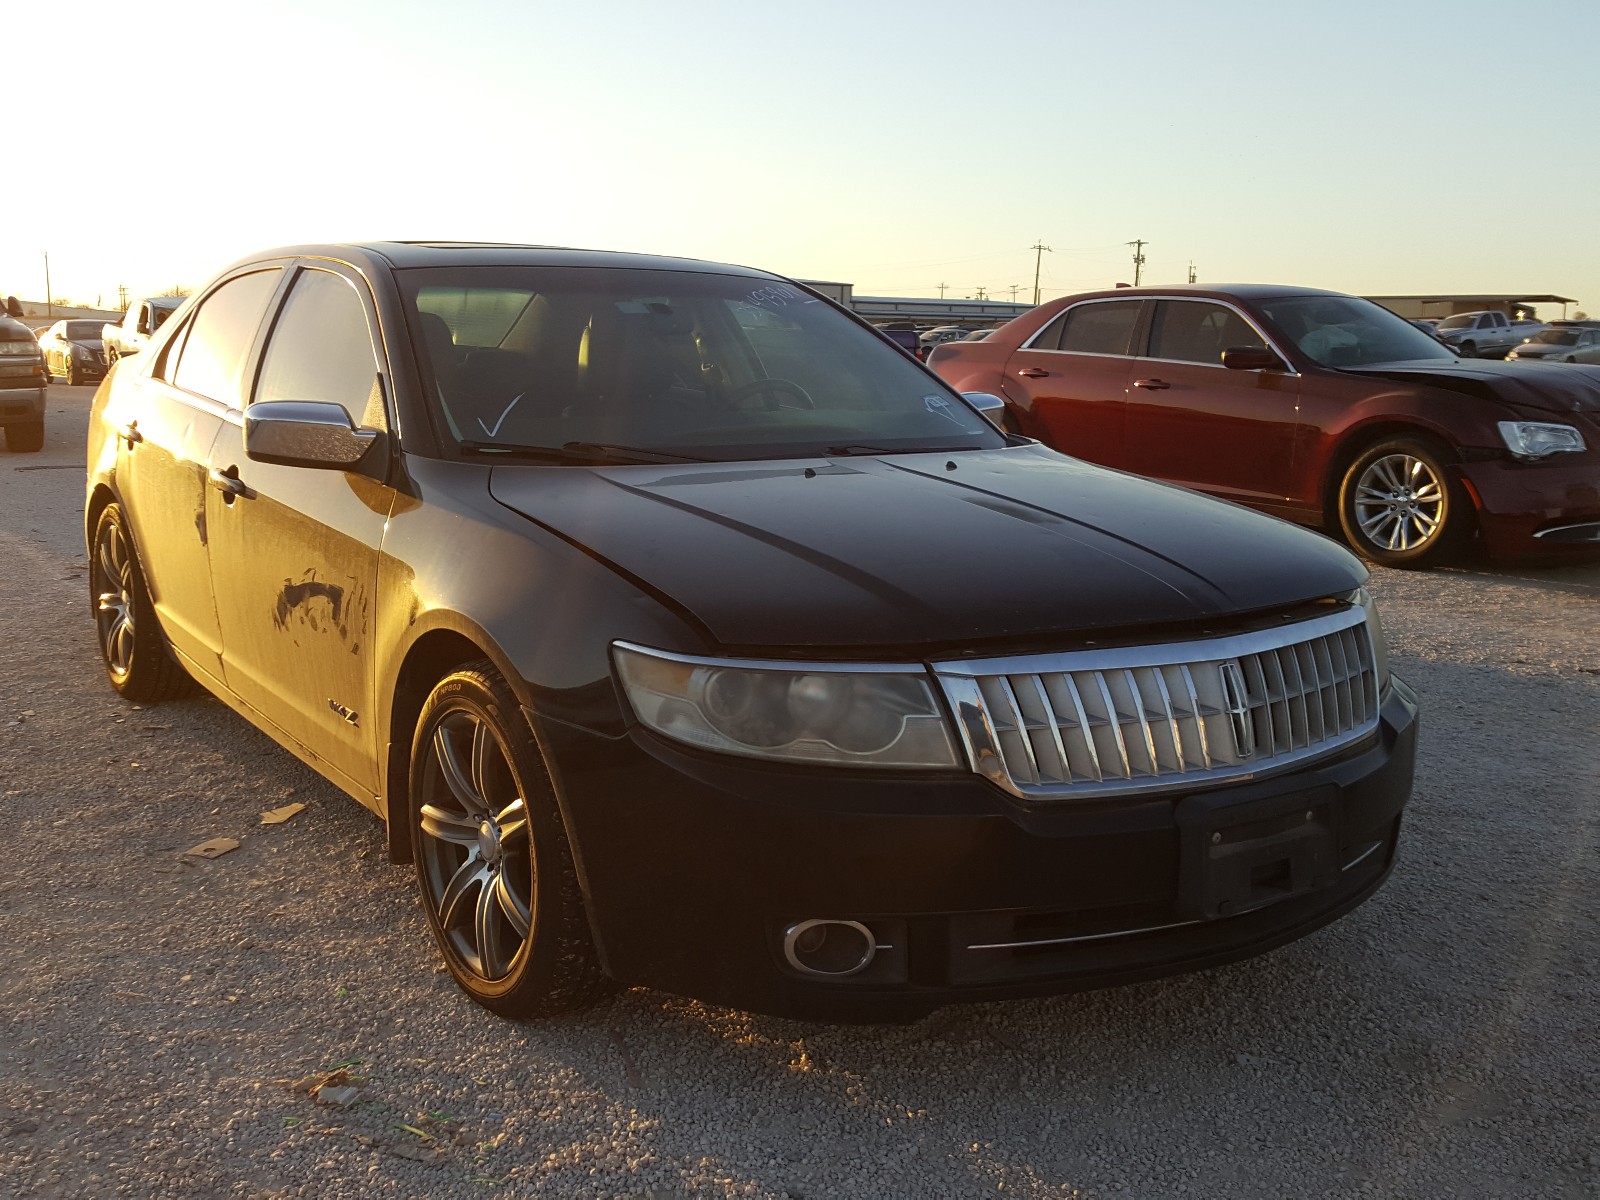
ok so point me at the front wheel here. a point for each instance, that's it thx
(1400, 505)
(1467, 350)
(495, 871)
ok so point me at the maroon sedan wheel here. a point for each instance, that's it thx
(1401, 505)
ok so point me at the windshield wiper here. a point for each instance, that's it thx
(846, 451)
(586, 452)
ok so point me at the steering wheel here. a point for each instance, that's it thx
(756, 386)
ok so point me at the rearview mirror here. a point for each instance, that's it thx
(1252, 358)
(304, 433)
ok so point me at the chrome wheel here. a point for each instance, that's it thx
(1399, 503)
(113, 585)
(474, 851)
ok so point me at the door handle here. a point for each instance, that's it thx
(130, 433)
(1033, 372)
(1152, 385)
(226, 480)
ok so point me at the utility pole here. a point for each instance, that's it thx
(1015, 288)
(49, 308)
(1138, 259)
(1191, 271)
(981, 296)
(1040, 248)
(942, 287)
(122, 297)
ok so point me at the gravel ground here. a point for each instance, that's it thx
(156, 1011)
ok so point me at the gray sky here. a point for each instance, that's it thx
(1376, 148)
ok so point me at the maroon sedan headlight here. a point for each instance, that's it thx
(1536, 439)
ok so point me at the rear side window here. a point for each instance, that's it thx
(220, 335)
(321, 349)
(1105, 328)
(1192, 331)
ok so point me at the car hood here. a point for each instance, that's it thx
(1527, 385)
(1541, 350)
(925, 549)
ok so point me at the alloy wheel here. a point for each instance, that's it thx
(1399, 502)
(474, 846)
(114, 600)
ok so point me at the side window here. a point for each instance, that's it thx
(1192, 331)
(320, 349)
(1101, 327)
(1049, 338)
(219, 337)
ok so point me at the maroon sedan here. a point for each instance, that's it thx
(1319, 407)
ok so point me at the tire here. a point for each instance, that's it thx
(136, 658)
(1467, 350)
(25, 437)
(74, 376)
(1401, 504)
(494, 869)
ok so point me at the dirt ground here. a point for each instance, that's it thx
(156, 1011)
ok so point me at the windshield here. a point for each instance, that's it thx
(679, 364)
(80, 331)
(1556, 337)
(1463, 321)
(1344, 331)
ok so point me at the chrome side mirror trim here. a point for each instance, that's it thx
(304, 433)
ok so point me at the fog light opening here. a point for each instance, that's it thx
(829, 949)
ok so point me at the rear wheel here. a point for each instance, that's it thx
(1401, 505)
(25, 437)
(494, 868)
(136, 659)
(1467, 350)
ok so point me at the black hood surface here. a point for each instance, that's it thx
(925, 549)
(1556, 388)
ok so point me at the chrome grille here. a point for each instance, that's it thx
(1138, 718)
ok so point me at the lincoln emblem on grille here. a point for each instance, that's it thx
(1244, 732)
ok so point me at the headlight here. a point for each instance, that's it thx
(1380, 648)
(19, 349)
(845, 715)
(1534, 439)
(84, 353)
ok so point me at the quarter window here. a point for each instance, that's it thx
(219, 337)
(1100, 328)
(1192, 331)
(321, 349)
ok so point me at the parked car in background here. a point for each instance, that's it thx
(977, 335)
(688, 635)
(1572, 343)
(1315, 406)
(22, 387)
(1484, 334)
(902, 334)
(72, 351)
(133, 332)
(940, 334)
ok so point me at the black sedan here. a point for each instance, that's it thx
(72, 351)
(687, 634)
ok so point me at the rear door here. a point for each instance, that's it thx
(1070, 380)
(1194, 422)
(168, 420)
(294, 550)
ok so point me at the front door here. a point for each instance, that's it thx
(1195, 422)
(295, 549)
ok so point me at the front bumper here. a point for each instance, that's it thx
(1544, 510)
(21, 404)
(695, 865)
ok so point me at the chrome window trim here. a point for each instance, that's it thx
(980, 739)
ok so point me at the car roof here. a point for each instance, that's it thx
(410, 254)
(1217, 291)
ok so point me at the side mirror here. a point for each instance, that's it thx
(993, 409)
(1252, 358)
(304, 433)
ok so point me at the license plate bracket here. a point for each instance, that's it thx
(1236, 856)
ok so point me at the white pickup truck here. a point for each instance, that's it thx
(132, 333)
(1485, 334)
